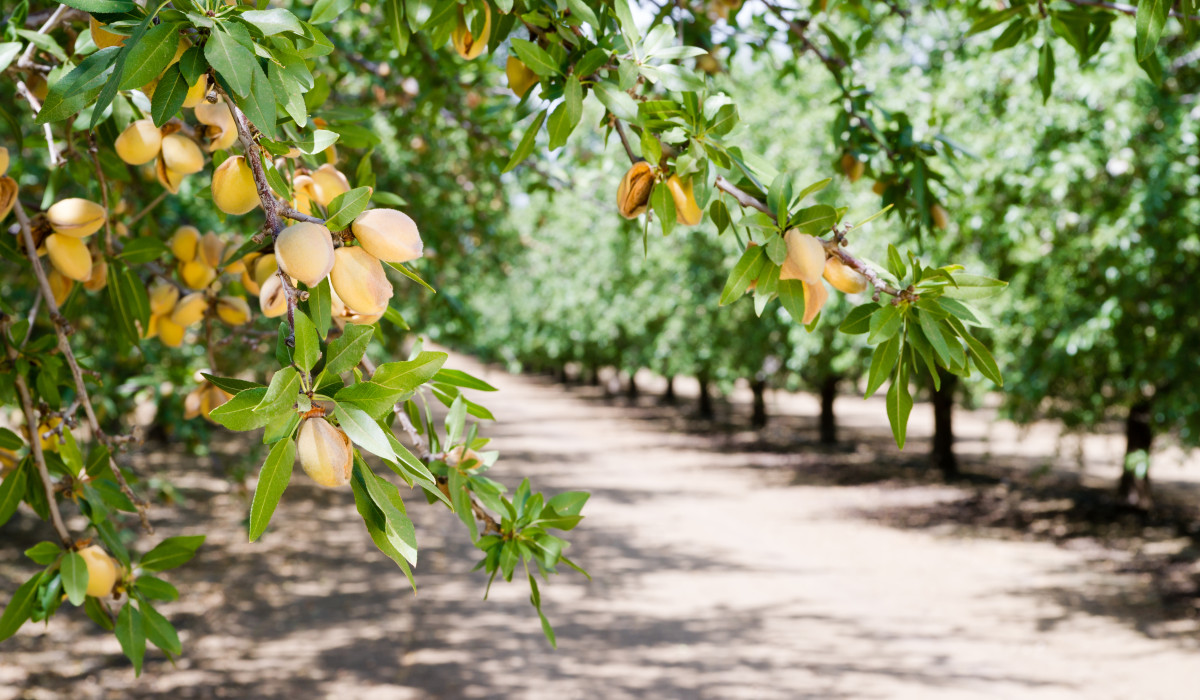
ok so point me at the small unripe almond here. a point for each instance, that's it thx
(633, 194)
(462, 456)
(190, 310)
(324, 452)
(329, 182)
(305, 251)
(465, 44)
(210, 250)
(8, 195)
(185, 242)
(151, 330)
(304, 193)
(389, 235)
(75, 217)
(879, 187)
(264, 267)
(163, 297)
(272, 298)
(101, 571)
(852, 167)
(233, 310)
(687, 212)
(181, 154)
(360, 280)
(98, 279)
(843, 278)
(70, 256)
(196, 93)
(221, 128)
(196, 275)
(139, 143)
(941, 217)
(520, 77)
(60, 286)
(169, 332)
(815, 296)
(805, 257)
(233, 188)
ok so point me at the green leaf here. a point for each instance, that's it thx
(155, 588)
(364, 431)
(1150, 20)
(983, 359)
(160, 631)
(455, 420)
(96, 610)
(44, 553)
(74, 577)
(109, 91)
(259, 103)
(616, 101)
(273, 21)
(885, 323)
(560, 126)
(308, 347)
(149, 57)
(12, 491)
(858, 321)
(346, 351)
(19, 607)
(281, 394)
(109, 6)
(527, 142)
(131, 634)
(230, 60)
(376, 400)
(238, 413)
(346, 207)
(899, 406)
(1046, 68)
(744, 272)
(972, 287)
(272, 480)
(79, 87)
(882, 363)
(398, 527)
(407, 376)
(376, 524)
(171, 552)
(929, 326)
(230, 384)
(791, 295)
(535, 57)
(168, 99)
(457, 377)
(815, 219)
(10, 440)
(328, 10)
(664, 207)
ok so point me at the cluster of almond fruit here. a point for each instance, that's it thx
(199, 262)
(72, 221)
(633, 194)
(808, 261)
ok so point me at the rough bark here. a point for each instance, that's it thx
(828, 424)
(1133, 489)
(706, 403)
(669, 397)
(759, 418)
(942, 454)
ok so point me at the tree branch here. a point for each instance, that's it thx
(56, 158)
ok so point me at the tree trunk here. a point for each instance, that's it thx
(562, 374)
(759, 418)
(1134, 487)
(828, 420)
(706, 404)
(669, 396)
(942, 455)
(631, 389)
(594, 375)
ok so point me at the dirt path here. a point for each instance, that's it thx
(717, 574)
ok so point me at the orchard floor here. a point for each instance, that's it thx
(725, 564)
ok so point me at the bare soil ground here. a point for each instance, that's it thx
(725, 564)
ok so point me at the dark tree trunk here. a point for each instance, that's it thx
(1134, 487)
(669, 396)
(942, 455)
(562, 374)
(828, 420)
(759, 418)
(594, 375)
(706, 403)
(631, 389)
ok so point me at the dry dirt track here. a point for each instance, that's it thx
(715, 576)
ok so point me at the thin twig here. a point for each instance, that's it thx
(1126, 9)
(95, 154)
(27, 58)
(55, 158)
(146, 210)
(625, 141)
(35, 442)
